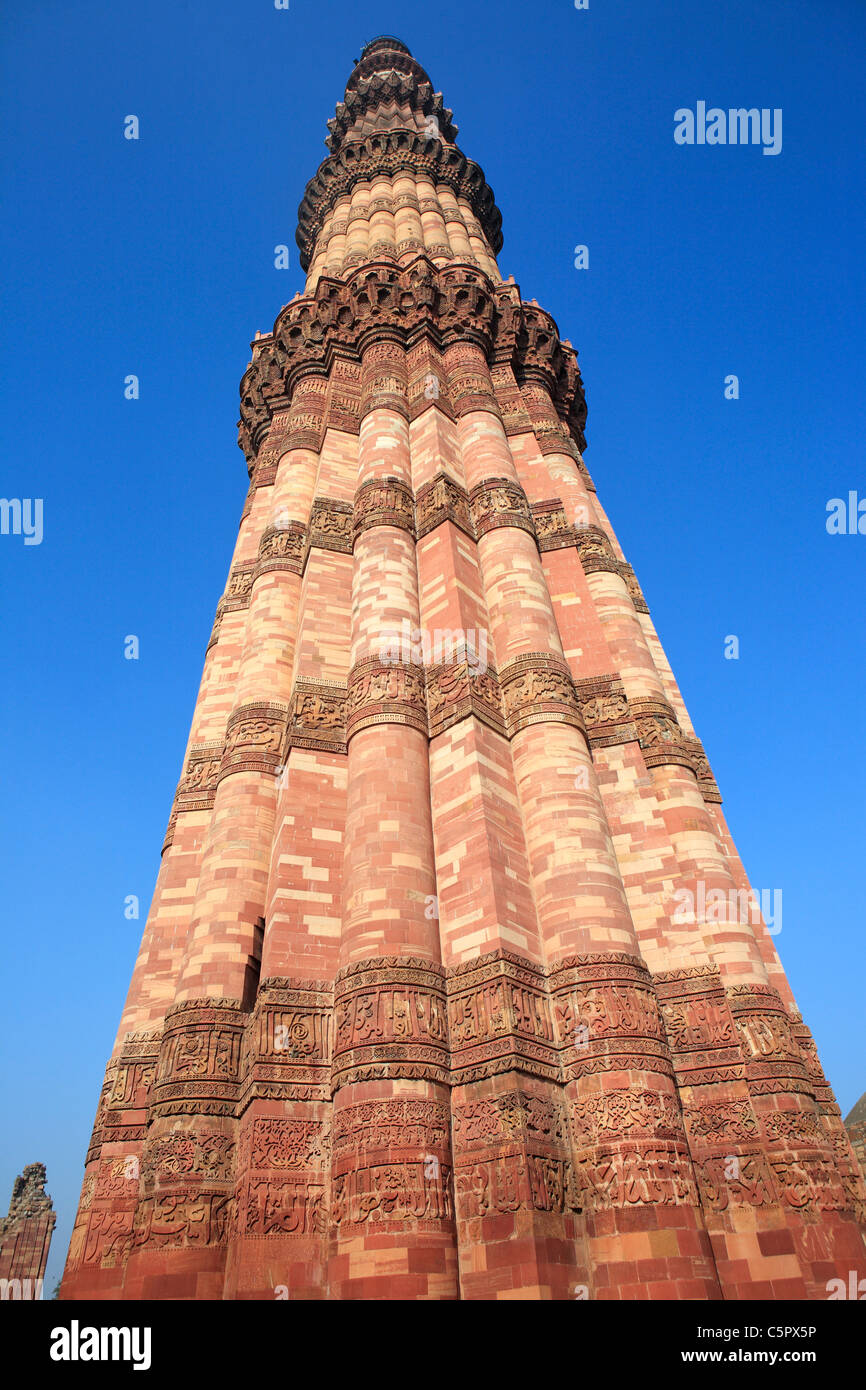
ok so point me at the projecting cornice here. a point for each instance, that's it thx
(453, 303)
(389, 90)
(389, 152)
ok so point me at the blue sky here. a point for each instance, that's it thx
(156, 258)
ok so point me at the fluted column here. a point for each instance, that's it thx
(607, 1023)
(709, 955)
(185, 1215)
(392, 1211)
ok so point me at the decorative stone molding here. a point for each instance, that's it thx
(199, 1059)
(330, 526)
(282, 1191)
(386, 153)
(289, 1042)
(538, 688)
(317, 716)
(595, 550)
(217, 624)
(607, 1016)
(442, 499)
(238, 589)
(390, 1021)
(392, 1162)
(552, 527)
(659, 734)
(454, 693)
(699, 1026)
(379, 693)
(706, 781)
(254, 738)
(499, 502)
(453, 304)
(512, 1153)
(383, 502)
(499, 1019)
(634, 589)
(772, 1057)
(384, 376)
(605, 711)
(199, 777)
(282, 548)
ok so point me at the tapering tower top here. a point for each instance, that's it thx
(393, 152)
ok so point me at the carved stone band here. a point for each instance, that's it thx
(199, 1058)
(500, 1019)
(605, 711)
(595, 550)
(453, 304)
(197, 786)
(660, 736)
(282, 548)
(607, 1016)
(290, 1038)
(454, 692)
(390, 1021)
(499, 502)
(384, 502)
(442, 499)
(254, 738)
(317, 716)
(331, 526)
(379, 693)
(552, 526)
(538, 688)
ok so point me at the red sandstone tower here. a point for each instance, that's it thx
(25, 1236)
(415, 1014)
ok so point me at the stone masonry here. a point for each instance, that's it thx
(416, 1014)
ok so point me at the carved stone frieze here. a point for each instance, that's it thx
(605, 711)
(500, 1019)
(629, 1175)
(552, 527)
(384, 502)
(442, 499)
(380, 693)
(633, 1114)
(330, 526)
(538, 688)
(607, 1016)
(595, 550)
(317, 716)
(454, 692)
(453, 304)
(238, 589)
(499, 502)
(287, 1053)
(199, 1058)
(661, 738)
(390, 1021)
(282, 548)
(255, 734)
(385, 154)
(699, 1026)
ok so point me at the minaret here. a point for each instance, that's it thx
(25, 1236)
(418, 1012)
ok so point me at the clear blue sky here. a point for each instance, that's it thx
(156, 258)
